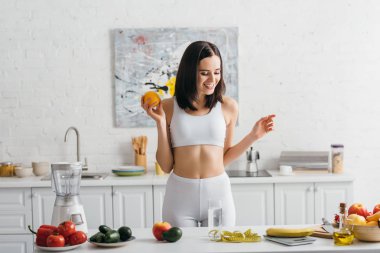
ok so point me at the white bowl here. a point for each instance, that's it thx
(23, 172)
(41, 168)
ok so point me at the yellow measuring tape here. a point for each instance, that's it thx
(236, 236)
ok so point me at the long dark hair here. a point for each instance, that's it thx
(186, 80)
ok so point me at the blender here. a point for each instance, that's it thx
(66, 184)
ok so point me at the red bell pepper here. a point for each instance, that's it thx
(42, 233)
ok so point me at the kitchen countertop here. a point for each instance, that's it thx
(151, 179)
(196, 240)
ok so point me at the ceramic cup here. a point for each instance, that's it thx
(23, 172)
(159, 171)
(286, 170)
(41, 168)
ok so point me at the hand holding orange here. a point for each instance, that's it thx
(152, 98)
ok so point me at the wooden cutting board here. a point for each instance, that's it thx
(321, 233)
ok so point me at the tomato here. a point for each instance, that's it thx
(66, 228)
(78, 237)
(55, 240)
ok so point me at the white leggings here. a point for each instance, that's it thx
(186, 200)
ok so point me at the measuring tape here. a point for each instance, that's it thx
(236, 236)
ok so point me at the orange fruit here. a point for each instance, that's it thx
(371, 223)
(153, 97)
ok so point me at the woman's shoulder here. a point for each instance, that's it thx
(168, 105)
(229, 104)
(168, 102)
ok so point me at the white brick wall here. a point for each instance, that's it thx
(313, 63)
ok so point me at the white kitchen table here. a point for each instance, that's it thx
(196, 240)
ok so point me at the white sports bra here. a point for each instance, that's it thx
(208, 129)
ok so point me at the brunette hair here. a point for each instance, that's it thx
(186, 80)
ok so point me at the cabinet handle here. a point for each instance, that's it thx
(115, 193)
(316, 189)
(309, 189)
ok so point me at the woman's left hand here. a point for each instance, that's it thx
(263, 126)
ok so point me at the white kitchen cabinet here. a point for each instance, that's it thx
(158, 201)
(307, 203)
(328, 196)
(43, 203)
(15, 210)
(97, 205)
(254, 204)
(16, 243)
(133, 206)
(294, 203)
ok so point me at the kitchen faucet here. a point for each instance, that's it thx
(84, 166)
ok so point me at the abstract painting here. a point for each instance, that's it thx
(148, 59)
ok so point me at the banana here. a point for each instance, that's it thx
(289, 232)
(374, 217)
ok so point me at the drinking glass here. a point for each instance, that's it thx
(215, 219)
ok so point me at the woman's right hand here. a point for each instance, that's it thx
(157, 113)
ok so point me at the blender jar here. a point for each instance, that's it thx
(66, 178)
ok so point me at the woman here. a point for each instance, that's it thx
(195, 132)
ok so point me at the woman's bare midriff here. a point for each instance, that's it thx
(198, 161)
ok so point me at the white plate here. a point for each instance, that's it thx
(112, 245)
(56, 249)
(133, 168)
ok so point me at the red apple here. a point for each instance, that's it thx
(376, 208)
(159, 228)
(359, 209)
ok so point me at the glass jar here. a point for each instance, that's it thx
(7, 169)
(337, 158)
(343, 235)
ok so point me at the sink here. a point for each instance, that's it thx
(94, 175)
(243, 173)
(85, 176)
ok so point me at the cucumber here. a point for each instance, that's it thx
(112, 236)
(104, 229)
(98, 237)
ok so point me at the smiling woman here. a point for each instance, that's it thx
(195, 132)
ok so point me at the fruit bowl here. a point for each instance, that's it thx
(367, 233)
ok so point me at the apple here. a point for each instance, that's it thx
(159, 228)
(376, 208)
(355, 219)
(359, 209)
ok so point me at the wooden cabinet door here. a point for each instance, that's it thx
(15, 210)
(158, 200)
(133, 206)
(254, 204)
(16, 243)
(328, 196)
(294, 203)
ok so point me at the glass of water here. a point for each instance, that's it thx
(215, 219)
